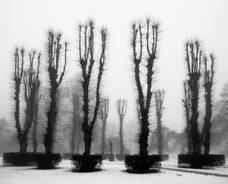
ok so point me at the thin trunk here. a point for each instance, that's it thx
(121, 136)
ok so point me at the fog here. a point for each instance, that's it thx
(25, 22)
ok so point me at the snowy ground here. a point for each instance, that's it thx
(112, 173)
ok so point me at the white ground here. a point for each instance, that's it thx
(112, 173)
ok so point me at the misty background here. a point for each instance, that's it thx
(25, 23)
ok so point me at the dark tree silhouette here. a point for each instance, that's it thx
(54, 52)
(208, 84)
(193, 60)
(75, 124)
(187, 107)
(159, 104)
(18, 74)
(104, 115)
(87, 61)
(150, 40)
(121, 106)
(31, 82)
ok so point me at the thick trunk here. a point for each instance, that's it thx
(49, 136)
(143, 137)
(207, 122)
(195, 134)
(87, 142)
(23, 144)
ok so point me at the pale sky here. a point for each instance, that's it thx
(25, 22)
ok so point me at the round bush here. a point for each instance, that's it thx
(200, 161)
(142, 164)
(48, 161)
(19, 159)
(86, 163)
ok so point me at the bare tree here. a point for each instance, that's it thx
(87, 61)
(208, 84)
(121, 106)
(31, 82)
(187, 107)
(159, 103)
(104, 115)
(150, 40)
(18, 74)
(193, 60)
(54, 52)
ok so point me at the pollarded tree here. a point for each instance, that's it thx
(54, 56)
(147, 36)
(159, 105)
(187, 108)
(193, 60)
(121, 106)
(104, 115)
(31, 83)
(208, 84)
(86, 50)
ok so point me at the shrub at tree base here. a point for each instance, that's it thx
(86, 163)
(19, 159)
(164, 157)
(120, 156)
(143, 164)
(48, 161)
(67, 156)
(108, 157)
(200, 161)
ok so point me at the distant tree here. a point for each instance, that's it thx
(187, 107)
(121, 106)
(54, 52)
(193, 59)
(87, 60)
(104, 115)
(159, 104)
(146, 67)
(208, 84)
(75, 137)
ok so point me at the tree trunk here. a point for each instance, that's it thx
(207, 122)
(195, 134)
(87, 142)
(49, 136)
(121, 136)
(160, 150)
(34, 135)
(23, 144)
(143, 137)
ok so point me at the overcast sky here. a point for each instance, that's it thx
(25, 22)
